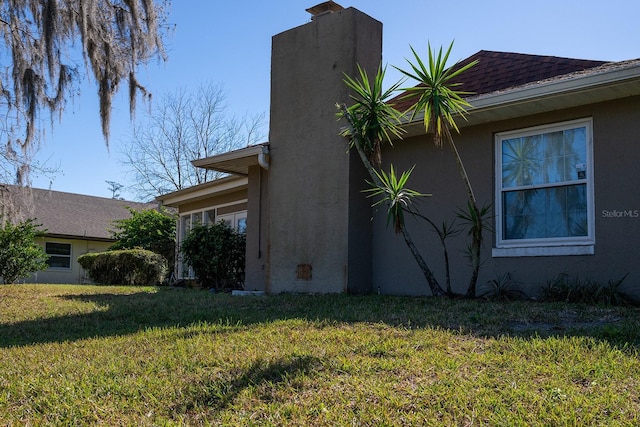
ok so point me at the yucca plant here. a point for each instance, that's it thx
(391, 190)
(437, 99)
(444, 231)
(372, 121)
(435, 95)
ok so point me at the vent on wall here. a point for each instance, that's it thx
(323, 9)
(303, 272)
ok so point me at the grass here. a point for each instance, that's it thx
(83, 355)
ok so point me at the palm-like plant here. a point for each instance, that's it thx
(372, 120)
(437, 98)
(392, 190)
(394, 193)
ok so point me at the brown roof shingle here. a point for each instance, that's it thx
(78, 215)
(500, 70)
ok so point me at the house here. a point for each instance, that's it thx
(75, 224)
(309, 228)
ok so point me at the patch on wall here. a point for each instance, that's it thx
(303, 272)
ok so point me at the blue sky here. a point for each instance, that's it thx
(229, 43)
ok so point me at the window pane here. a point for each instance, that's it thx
(545, 213)
(575, 158)
(185, 225)
(58, 248)
(187, 272)
(520, 161)
(197, 218)
(210, 217)
(242, 225)
(551, 157)
(59, 262)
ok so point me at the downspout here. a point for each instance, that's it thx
(263, 161)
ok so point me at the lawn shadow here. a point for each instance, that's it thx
(220, 393)
(115, 314)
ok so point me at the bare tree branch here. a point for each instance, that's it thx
(181, 128)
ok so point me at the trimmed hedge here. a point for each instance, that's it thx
(135, 267)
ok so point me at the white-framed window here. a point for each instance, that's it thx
(237, 221)
(59, 255)
(544, 190)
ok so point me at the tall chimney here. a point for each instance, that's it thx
(319, 221)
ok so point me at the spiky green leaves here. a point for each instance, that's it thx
(392, 190)
(436, 95)
(371, 118)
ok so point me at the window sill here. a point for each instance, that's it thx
(531, 251)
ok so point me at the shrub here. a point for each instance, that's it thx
(217, 255)
(135, 267)
(147, 229)
(503, 287)
(20, 255)
(564, 289)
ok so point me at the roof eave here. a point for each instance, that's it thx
(199, 192)
(235, 162)
(78, 237)
(549, 95)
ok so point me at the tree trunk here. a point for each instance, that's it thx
(435, 287)
(476, 224)
(436, 290)
(442, 235)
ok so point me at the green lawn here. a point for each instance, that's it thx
(86, 355)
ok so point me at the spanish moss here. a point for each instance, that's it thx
(45, 46)
(39, 73)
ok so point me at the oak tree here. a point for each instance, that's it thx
(47, 45)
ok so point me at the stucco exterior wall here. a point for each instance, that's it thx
(74, 275)
(616, 149)
(359, 267)
(310, 211)
(257, 229)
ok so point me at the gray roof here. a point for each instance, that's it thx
(78, 215)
